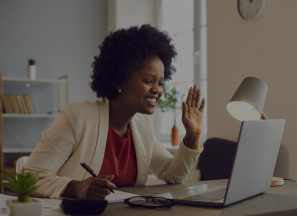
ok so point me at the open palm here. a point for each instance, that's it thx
(192, 117)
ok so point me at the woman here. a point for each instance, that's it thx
(115, 135)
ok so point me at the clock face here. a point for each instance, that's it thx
(251, 9)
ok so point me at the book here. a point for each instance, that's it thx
(24, 104)
(20, 104)
(7, 106)
(29, 104)
(15, 104)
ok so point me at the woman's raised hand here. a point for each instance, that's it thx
(192, 118)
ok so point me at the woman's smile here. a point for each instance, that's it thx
(151, 101)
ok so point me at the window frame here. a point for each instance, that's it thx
(200, 61)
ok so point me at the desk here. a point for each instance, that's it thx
(283, 198)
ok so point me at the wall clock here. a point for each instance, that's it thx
(251, 10)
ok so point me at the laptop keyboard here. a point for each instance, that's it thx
(209, 196)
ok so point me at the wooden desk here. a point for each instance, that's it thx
(283, 198)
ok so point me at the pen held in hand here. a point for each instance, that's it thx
(89, 170)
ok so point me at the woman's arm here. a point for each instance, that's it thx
(50, 153)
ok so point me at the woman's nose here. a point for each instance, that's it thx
(156, 89)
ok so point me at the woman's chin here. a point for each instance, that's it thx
(149, 111)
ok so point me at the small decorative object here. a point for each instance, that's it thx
(171, 103)
(32, 69)
(23, 184)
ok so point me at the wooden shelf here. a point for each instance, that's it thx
(17, 150)
(16, 79)
(8, 115)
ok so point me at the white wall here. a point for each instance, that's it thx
(62, 36)
(126, 13)
(267, 49)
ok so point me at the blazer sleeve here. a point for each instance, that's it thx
(51, 152)
(172, 169)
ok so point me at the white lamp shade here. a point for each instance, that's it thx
(248, 101)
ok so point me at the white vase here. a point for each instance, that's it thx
(23, 209)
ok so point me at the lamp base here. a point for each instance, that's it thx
(276, 181)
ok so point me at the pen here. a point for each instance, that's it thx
(86, 167)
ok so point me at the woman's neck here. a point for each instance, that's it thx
(119, 118)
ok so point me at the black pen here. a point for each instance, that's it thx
(86, 167)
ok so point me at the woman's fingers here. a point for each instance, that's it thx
(108, 177)
(193, 97)
(185, 112)
(202, 105)
(104, 183)
(190, 96)
(197, 98)
(195, 89)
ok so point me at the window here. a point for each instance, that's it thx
(185, 22)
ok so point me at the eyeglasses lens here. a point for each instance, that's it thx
(137, 200)
(162, 201)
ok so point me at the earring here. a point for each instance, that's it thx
(120, 90)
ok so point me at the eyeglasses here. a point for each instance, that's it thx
(143, 201)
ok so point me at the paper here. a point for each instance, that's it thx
(118, 196)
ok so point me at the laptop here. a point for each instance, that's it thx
(253, 167)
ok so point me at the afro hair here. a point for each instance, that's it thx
(123, 51)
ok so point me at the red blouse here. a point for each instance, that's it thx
(120, 159)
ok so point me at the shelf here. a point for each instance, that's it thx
(16, 79)
(8, 115)
(17, 150)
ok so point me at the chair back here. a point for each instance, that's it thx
(216, 160)
(20, 163)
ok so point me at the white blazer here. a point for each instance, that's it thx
(79, 135)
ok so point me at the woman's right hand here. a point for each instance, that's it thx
(90, 188)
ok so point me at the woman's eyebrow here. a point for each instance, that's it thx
(152, 75)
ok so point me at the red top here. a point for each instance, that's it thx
(120, 159)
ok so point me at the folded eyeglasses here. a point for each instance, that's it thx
(144, 201)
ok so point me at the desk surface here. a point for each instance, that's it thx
(283, 198)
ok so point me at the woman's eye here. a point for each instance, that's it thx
(161, 84)
(148, 81)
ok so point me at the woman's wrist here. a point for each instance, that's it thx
(70, 190)
(192, 142)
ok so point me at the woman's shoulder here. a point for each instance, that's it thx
(85, 108)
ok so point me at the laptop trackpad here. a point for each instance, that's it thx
(190, 191)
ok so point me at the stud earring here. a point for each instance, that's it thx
(120, 90)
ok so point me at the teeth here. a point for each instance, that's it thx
(151, 99)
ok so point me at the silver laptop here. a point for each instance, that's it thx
(253, 167)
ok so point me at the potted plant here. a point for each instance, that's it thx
(171, 103)
(23, 184)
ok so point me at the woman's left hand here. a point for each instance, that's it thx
(192, 118)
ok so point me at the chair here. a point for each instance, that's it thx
(216, 160)
(20, 163)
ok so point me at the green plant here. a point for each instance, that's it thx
(172, 102)
(23, 184)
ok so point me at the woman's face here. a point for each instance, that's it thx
(142, 90)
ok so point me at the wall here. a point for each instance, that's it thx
(267, 49)
(126, 13)
(63, 37)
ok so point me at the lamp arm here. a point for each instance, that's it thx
(263, 116)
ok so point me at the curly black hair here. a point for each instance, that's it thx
(123, 51)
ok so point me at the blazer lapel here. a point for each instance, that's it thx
(140, 154)
(98, 156)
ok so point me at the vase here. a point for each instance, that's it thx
(174, 135)
(32, 208)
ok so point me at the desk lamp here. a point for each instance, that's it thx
(247, 104)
